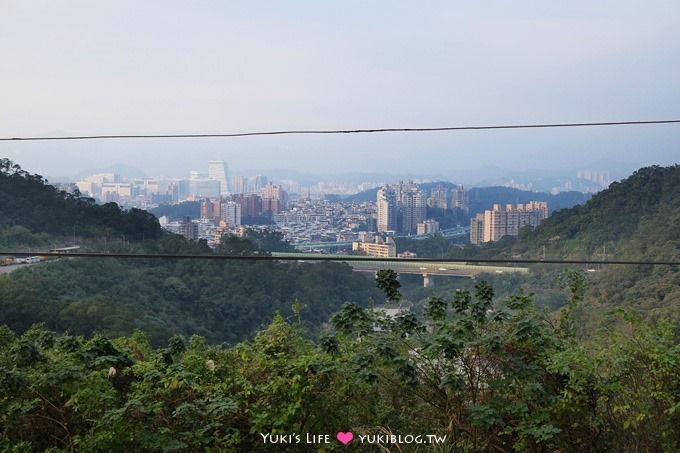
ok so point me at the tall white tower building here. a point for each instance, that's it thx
(218, 170)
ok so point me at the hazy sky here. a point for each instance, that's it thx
(156, 67)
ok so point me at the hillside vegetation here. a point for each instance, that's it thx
(635, 219)
(632, 219)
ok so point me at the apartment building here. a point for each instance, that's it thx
(495, 223)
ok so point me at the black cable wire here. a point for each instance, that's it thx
(341, 131)
(334, 258)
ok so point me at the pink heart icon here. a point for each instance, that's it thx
(345, 438)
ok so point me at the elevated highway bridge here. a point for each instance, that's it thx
(412, 266)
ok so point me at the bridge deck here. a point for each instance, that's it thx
(450, 268)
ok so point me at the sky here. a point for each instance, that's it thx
(175, 67)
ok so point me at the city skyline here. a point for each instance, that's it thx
(172, 68)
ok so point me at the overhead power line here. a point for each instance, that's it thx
(339, 131)
(335, 258)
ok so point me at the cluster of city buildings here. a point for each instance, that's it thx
(224, 214)
(600, 177)
(216, 182)
(144, 193)
(225, 202)
(320, 224)
(402, 207)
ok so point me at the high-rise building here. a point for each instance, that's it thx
(217, 209)
(239, 184)
(600, 177)
(496, 223)
(477, 229)
(204, 188)
(386, 206)
(413, 210)
(231, 213)
(211, 209)
(207, 209)
(271, 206)
(439, 198)
(92, 185)
(459, 198)
(218, 170)
(251, 205)
(274, 198)
(255, 183)
(146, 187)
(121, 191)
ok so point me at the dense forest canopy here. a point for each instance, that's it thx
(224, 301)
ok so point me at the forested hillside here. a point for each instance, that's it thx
(633, 220)
(222, 301)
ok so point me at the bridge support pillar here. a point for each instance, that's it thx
(427, 281)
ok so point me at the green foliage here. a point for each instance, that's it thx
(254, 243)
(386, 280)
(487, 378)
(352, 319)
(435, 309)
(577, 284)
(509, 380)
